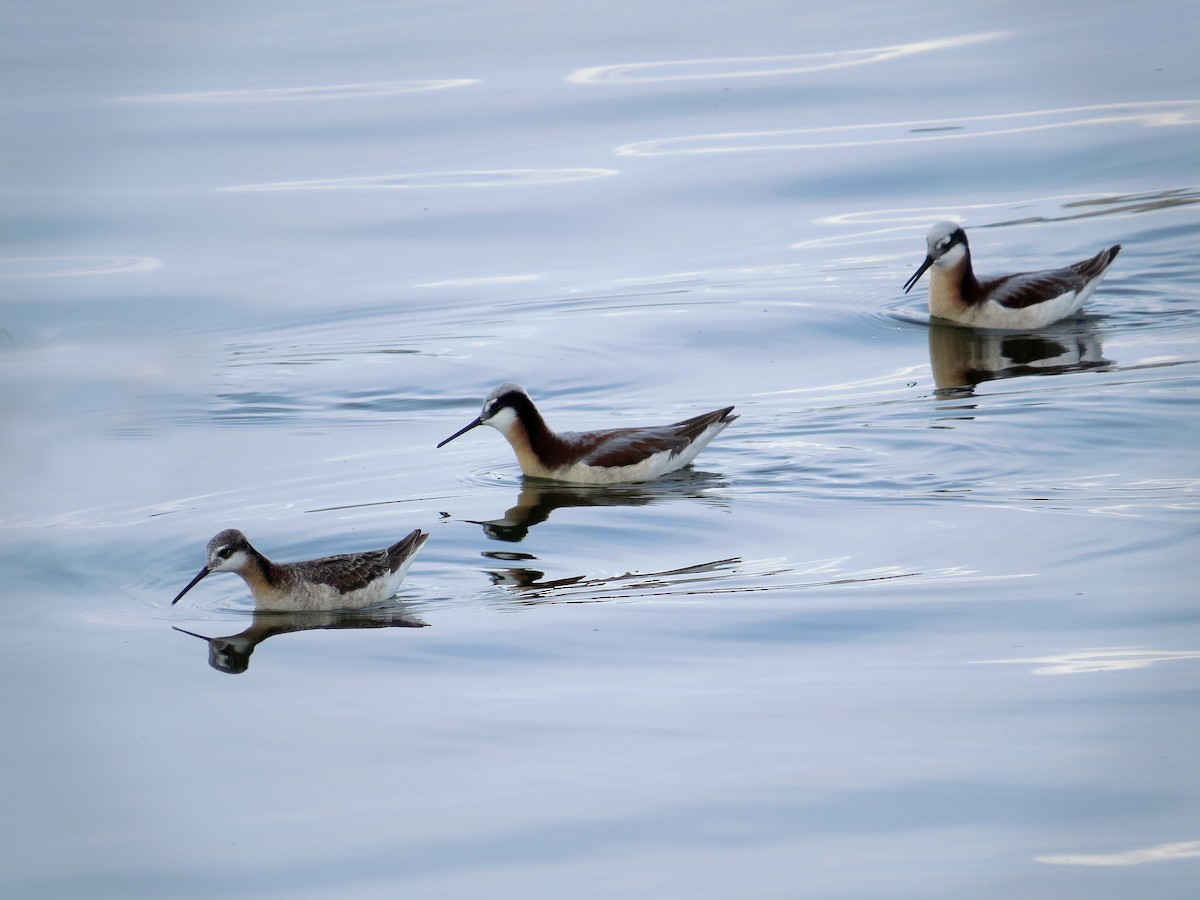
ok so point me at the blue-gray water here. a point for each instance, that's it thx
(892, 636)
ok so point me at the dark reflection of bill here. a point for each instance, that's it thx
(231, 653)
(963, 358)
(538, 499)
(530, 585)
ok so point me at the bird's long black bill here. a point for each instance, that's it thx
(908, 285)
(191, 633)
(458, 433)
(191, 584)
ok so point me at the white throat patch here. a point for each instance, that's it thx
(952, 257)
(504, 420)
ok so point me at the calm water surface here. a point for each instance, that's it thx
(921, 623)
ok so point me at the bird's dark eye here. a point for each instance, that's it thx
(225, 552)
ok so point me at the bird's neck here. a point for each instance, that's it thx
(260, 574)
(539, 450)
(953, 289)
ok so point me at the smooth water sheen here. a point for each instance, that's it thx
(921, 623)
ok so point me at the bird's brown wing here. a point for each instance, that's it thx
(1031, 288)
(349, 572)
(632, 445)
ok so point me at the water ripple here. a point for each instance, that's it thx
(906, 221)
(764, 66)
(1115, 659)
(470, 178)
(1149, 114)
(1157, 853)
(484, 281)
(15, 267)
(353, 91)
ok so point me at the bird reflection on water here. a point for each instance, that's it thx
(531, 586)
(231, 653)
(962, 358)
(539, 498)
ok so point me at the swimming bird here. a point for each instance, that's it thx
(1021, 301)
(349, 581)
(593, 457)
